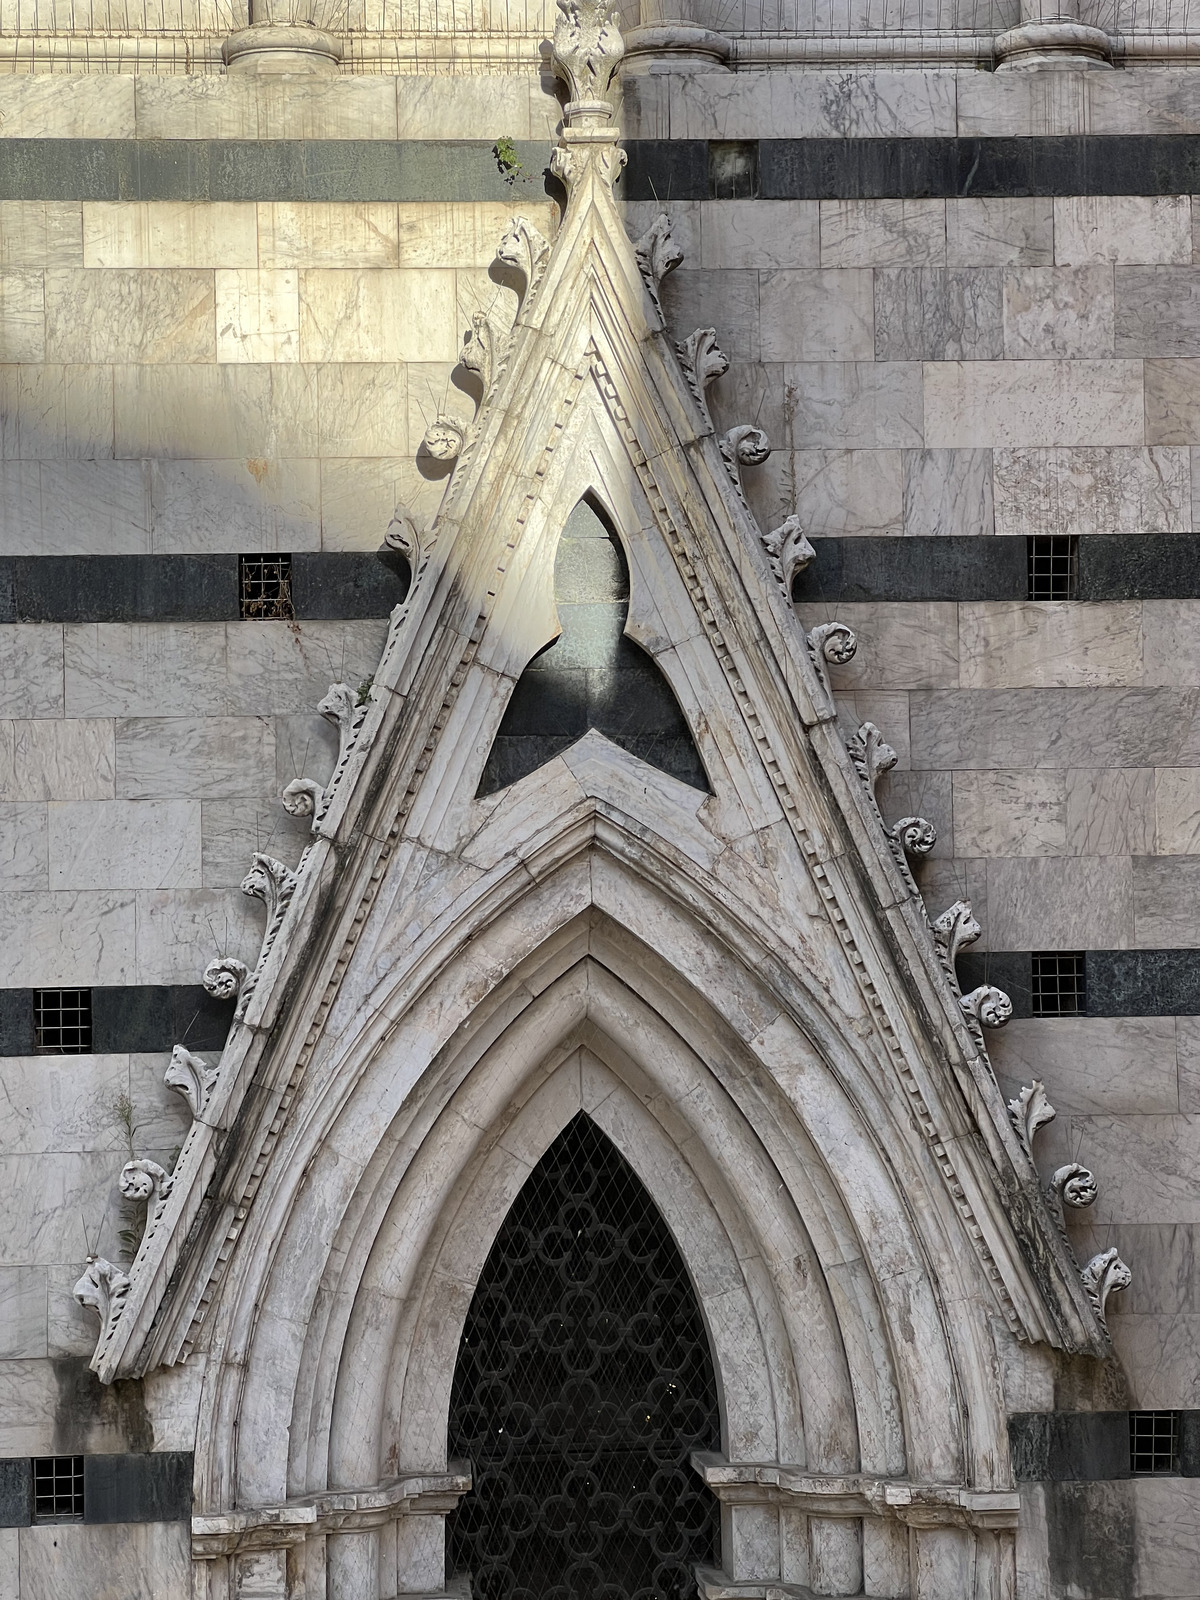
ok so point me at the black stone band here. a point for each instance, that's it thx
(154, 1487)
(1142, 566)
(1088, 1446)
(135, 1018)
(914, 169)
(266, 169)
(659, 169)
(325, 586)
(145, 1018)
(1117, 983)
(351, 585)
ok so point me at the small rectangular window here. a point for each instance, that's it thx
(1154, 1443)
(1052, 566)
(265, 586)
(62, 1022)
(733, 169)
(1058, 983)
(58, 1488)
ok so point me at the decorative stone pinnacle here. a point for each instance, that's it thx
(588, 49)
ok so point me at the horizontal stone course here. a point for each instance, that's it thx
(191, 588)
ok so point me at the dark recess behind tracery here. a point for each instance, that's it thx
(591, 676)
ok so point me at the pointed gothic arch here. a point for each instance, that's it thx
(584, 1382)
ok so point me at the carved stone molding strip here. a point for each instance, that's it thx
(336, 1511)
(829, 641)
(857, 1494)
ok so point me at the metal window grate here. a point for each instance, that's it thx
(1059, 986)
(62, 1022)
(265, 587)
(58, 1488)
(1052, 566)
(584, 1382)
(1154, 1443)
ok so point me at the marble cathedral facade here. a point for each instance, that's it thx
(600, 808)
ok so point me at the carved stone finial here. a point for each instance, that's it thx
(987, 1005)
(302, 797)
(270, 881)
(915, 836)
(830, 642)
(340, 706)
(224, 977)
(871, 755)
(481, 352)
(657, 254)
(703, 362)
(743, 446)
(1030, 1111)
(104, 1289)
(588, 48)
(1105, 1274)
(788, 551)
(1075, 1185)
(443, 439)
(527, 249)
(192, 1077)
(955, 928)
(403, 532)
(143, 1179)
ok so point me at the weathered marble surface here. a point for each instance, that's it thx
(1092, 491)
(1015, 403)
(758, 233)
(124, 844)
(948, 492)
(939, 314)
(63, 759)
(816, 316)
(1115, 1065)
(1000, 813)
(169, 233)
(1000, 232)
(883, 233)
(69, 1562)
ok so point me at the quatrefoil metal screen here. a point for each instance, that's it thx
(584, 1382)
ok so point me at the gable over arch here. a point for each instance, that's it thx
(740, 986)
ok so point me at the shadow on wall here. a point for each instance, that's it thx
(592, 676)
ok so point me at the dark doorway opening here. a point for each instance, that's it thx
(584, 1382)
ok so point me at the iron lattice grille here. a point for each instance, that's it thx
(584, 1381)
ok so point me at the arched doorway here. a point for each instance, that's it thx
(584, 1382)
